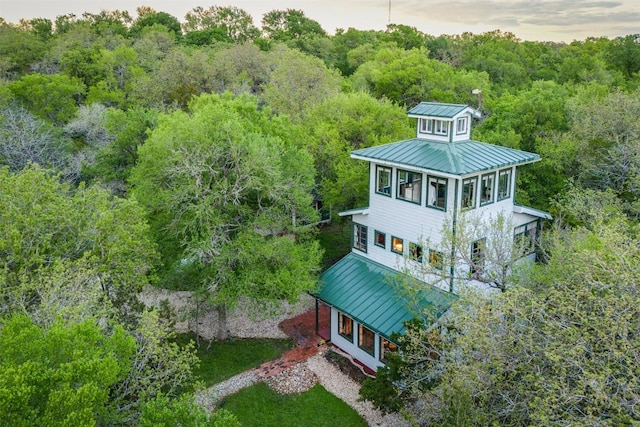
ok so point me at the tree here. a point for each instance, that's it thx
(156, 18)
(298, 82)
(27, 139)
(234, 23)
(44, 221)
(558, 350)
(51, 98)
(228, 197)
(290, 24)
(60, 375)
(344, 123)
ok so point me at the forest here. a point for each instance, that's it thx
(186, 154)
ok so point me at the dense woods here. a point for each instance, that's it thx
(148, 150)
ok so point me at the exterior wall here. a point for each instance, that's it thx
(373, 362)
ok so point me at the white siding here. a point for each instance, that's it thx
(352, 347)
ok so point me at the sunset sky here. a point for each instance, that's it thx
(543, 20)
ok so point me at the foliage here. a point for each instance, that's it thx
(290, 24)
(26, 139)
(560, 350)
(259, 406)
(164, 412)
(44, 221)
(234, 23)
(59, 375)
(228, 197)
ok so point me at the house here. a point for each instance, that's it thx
(414, 185)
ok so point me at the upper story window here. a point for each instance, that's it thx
(487, 188)
(462, 125)
(360, 237)
(433, 126)
(383, 180)
(380, 239)
(436, 259)
(415, 252)
(397, 245)
(504, 184)
(409, 186)
(437, 193)
(469, 193)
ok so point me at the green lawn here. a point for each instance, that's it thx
(225, 359)
(260, 406)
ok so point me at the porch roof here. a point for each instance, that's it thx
(367, 291)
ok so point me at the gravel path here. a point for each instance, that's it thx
(343, 387)
(208, 398)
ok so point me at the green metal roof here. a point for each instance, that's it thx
(456, 158)
(364, 290)
(437, 109)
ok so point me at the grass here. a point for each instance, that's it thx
(262, 407)
(227, 358)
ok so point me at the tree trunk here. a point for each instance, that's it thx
(222, 333)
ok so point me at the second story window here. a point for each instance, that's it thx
(440, 127)
(435, 259)
(504, 184)
(486, 189)
(360, 237)
(383, 180)
(469, 193)
(409, 186)
(380, 239)
(437, 196)
(415, 252)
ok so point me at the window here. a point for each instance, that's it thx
(440, 127)
(397, 245)
(469, 193)
(526, 237)
(383, 181)
(504, 184)
(386, 347)
(345, 326)
(365, 339)
(415, 252)
(426, 125)
(380, 239)
(461, 126)
(486, 189)
(437, 197)
(409, 186)
(360, 237)
(477, 258)
(435, 259)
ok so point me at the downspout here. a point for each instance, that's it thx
(453, 237)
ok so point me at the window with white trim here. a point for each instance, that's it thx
(440, 127)
(461, 125)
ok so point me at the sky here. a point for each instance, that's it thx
(535, 20)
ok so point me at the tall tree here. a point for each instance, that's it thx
(290, 24)
(228, 196)
(234, 23)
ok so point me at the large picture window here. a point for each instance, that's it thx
(383, 180)
(469, 193)
(437, 193)
(366, 339)
(345, 327)
(487, 188)
(386, 347)
(360, 237)
(409, 186)
(504, 184)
